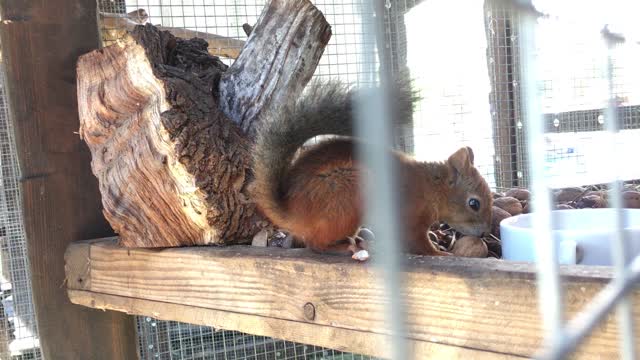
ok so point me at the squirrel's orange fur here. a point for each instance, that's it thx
(318, 198)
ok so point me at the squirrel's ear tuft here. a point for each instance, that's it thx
(470, 155)
(460, 161)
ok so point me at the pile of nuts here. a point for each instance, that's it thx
(515, 202)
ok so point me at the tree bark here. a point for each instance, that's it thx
(278, 60)
(170, 127)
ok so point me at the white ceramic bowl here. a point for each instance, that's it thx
(582, 236)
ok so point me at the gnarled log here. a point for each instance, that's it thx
(174, 169)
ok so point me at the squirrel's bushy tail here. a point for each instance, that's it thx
(325, 108)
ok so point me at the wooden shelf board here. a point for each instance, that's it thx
(458, 308)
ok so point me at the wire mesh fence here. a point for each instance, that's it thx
(343, 58)
(573, 98)
(18, 329)
(174, 340)
(466, 62)
(471, 85)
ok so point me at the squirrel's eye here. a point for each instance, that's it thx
(474, 204)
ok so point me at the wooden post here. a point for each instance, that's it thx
(41, 42)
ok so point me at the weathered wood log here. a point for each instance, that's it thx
(298, 34)
(173, 169)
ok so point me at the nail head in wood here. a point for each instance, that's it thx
(309, 311)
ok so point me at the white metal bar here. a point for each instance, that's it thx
(618, 244)
(373, 125)
(549, 294)
(582, 325)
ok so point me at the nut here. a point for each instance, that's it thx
(287, 243)
(509, 204)
(470, 246)
(569, 194)
(591, 201)
(631, 199)
(494, 246)
(600, 193)
(366, 234)
(260, 239)
(520, 194)
(497, 215)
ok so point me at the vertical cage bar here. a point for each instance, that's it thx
(372, 123)
(549, 294)
(618, 248)
(594, 312)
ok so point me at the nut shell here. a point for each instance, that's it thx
(631, 199)
(569, 194)
(591, 201)
(564, 207)
(509, 204)
(497, 215)
(520, 194)
(470, 246)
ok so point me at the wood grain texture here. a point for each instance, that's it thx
(41, 42)
(288, 39)
(486, 305)
(120, 104)
(173, 169)
(360, 342)
(169, 164)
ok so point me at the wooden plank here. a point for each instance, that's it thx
(360, 342)
(481, 304)
(41, 41)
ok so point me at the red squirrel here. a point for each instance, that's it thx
(317, 195)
